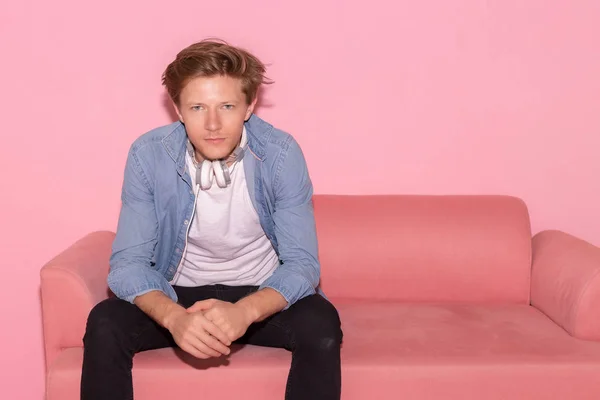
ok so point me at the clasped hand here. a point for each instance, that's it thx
(207, 328)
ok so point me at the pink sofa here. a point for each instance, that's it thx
(441, 297)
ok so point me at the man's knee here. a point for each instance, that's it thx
(104, 323)
(320, 326)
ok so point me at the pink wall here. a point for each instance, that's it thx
(432, 97)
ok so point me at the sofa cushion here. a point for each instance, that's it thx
(390, 351)
(420, 351)
(430, 248)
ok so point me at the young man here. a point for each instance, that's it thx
(216, 238)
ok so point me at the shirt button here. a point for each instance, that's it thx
(186, 222)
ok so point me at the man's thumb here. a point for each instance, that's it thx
(201, 305)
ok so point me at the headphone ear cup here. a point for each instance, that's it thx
(206, 174)
(221, 173)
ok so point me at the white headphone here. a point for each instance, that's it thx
(218, 170)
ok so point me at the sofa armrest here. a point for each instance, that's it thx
(565, 282)
(71, 284)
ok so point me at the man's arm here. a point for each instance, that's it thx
(159, 307)
(131, 274)
(295, 229)
(262, 304)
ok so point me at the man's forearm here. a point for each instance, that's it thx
(263, 304)
(159, 307)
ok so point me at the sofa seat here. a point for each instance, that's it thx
(391, 350)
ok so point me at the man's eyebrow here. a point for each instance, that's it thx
(191, 103)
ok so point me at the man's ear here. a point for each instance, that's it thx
(250, 109)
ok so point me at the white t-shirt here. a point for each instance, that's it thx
(226, 243)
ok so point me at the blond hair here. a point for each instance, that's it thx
(212, 57)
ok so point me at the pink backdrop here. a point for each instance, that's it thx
(430, 97)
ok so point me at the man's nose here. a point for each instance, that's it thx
(212, 121)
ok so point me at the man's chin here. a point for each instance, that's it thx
(217, 156)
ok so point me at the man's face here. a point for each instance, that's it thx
(213, 110)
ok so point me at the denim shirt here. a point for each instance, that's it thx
(158, 202)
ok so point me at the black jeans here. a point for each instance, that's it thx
(310, 329)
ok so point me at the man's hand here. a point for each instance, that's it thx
(197, 335)
(193, 333)
(234, 319)
(230, 318)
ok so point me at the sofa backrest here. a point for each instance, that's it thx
(424, 248)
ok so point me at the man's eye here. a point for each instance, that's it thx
(195, 108)
(228, 106)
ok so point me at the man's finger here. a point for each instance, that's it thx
(216, 332)
(188, 348)
(199, 344)
(214, 344)
(202, 305)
